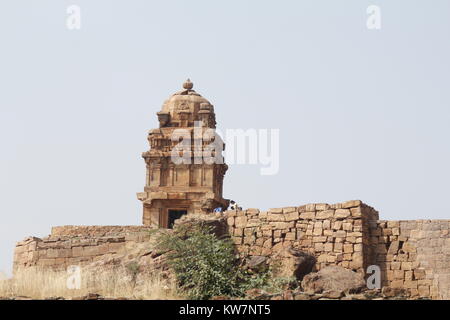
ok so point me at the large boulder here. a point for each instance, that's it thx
(256, 263)
(335, 279)
(293, 263)
(217, 222)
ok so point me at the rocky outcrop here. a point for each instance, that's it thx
(216, 222)
(329, 295)
(333, 279)
(292, 262)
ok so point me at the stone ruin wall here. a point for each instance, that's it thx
(76, 245)
(413, 255)
(334, 234)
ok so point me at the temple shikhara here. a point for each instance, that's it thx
(171, 189)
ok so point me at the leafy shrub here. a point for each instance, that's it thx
(205, 265)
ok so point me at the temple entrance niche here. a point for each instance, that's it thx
(174, 214)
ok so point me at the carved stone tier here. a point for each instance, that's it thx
(173, 189)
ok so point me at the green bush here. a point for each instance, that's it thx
(205, 265)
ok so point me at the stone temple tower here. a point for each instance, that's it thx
(194, 186)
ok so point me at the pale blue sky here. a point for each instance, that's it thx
(362, 114)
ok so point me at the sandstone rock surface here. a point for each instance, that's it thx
(294, 263)
(333, 279)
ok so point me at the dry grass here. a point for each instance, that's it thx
(42, 284)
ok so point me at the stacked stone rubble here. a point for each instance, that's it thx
(334, 234)
(75, 246)
(413, 255)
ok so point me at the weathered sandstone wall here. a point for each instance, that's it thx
(414, 255)
(76, 245)
(334, 234)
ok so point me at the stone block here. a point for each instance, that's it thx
(350, 204)
(340, 234)
(253, 223)
(406, 265)
(409, 247)
(249, 240)
(319, 239)
(318, 247)
(281, 225)
(410, 284)
(252, 211)
(342, 213)
(424, 291)
(397, 284)
(399, 274)
(337, 225)
(267, 243)
(327, 214)
(347, 226)
(276, 210)
(240, 222)
(292, 216)
(249, 231)
(419, 274)
(317, 231)
(239, 232)
(276, 217)
(290, 209)
(322, 206)
(348, 248)
(395, 265)
(308, 215)
(338, 247)
(290, 236)
(356, 212)
(263, 215)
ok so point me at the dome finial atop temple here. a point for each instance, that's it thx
(188, 85)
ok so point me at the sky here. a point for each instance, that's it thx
(362, 113)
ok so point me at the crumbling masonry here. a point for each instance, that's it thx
(412, 255)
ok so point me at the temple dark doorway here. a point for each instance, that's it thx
(174, 215)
